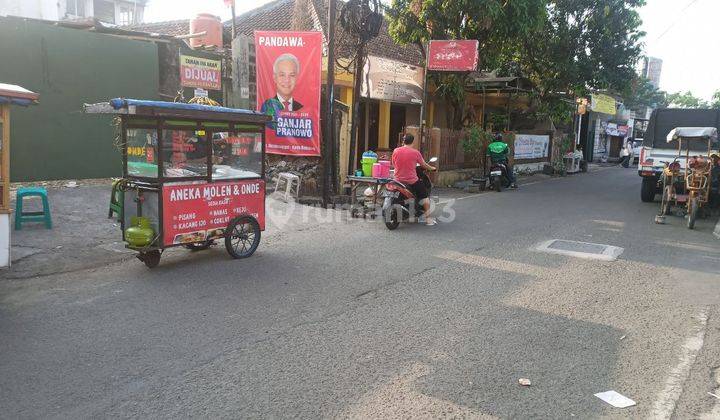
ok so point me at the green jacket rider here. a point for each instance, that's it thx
(498, 151)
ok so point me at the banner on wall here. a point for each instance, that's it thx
(603, 103)
(392, 80)
(531, 146)
(288, 66)
(203, 73)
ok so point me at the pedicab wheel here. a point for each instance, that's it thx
(242, 237)
(201, 246)
(692, 213)
(497, 184)
(665, 204)
(151, 259)
(392, 219)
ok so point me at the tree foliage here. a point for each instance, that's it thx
(642, 93)
(566, 47)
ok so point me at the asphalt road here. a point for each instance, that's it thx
(345, 319)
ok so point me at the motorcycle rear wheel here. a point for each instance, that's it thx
(497, 184)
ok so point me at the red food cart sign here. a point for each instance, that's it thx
(453, 55)
(197, 212)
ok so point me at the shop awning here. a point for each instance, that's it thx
(17, 95)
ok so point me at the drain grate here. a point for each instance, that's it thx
(581, 249)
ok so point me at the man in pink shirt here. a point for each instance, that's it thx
(405, 159)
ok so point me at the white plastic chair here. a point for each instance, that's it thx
(288, 181)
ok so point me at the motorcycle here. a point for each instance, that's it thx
(399, 204)
(498, 177)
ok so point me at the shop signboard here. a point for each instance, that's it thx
(531, 146)
(455, 55)
(198, 212)
(616, 130)
(393, 81)
(602, 103)
(197, 72)
(288, 66)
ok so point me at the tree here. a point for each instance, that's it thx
(642, 93)
(584, 45)
(686, 100)
(566, 47)
(496, 24)
(716, 100)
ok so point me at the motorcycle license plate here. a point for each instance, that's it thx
(496, 173)
(391, 194)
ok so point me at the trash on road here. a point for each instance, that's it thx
(71, 184)
(524, 382)
(714, 395)
(615, 399)
(623, 337)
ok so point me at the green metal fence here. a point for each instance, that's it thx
(69, 67)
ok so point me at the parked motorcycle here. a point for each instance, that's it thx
(399, 204)
(499, 177)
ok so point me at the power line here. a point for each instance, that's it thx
(677, 18)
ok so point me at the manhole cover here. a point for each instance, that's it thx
(581, 249)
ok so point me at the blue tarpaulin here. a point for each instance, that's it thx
(4, 100)
(120, 103)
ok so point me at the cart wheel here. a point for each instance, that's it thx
(151, 258)
(200, 246)
(354, 213)
(692, 213)
(665, 204)
(243, 237)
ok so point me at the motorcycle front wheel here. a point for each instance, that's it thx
(391, 217)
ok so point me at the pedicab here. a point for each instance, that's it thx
(689, 187)
(192, 175)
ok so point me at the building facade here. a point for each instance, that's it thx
(116, 12)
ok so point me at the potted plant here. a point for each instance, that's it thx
(475, 143)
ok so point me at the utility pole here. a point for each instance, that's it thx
(329, 158)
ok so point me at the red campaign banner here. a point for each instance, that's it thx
(453, 55)
(289, 75)
(198, 212)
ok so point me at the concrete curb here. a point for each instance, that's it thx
(717, 230)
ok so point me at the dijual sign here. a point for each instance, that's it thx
(196, 72)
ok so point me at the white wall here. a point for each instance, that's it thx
(35, 9)
(57, 9)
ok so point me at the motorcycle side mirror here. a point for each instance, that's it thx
(433, 159)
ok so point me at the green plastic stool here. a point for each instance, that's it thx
(33, 216)
(117, 198)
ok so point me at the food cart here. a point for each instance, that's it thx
(9, 95)
(192, 175)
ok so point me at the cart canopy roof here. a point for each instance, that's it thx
(705, 133)
(176, 110)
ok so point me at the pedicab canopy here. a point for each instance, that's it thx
(704, 133)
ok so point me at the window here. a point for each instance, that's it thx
(184, 154)
(142, 152)
(104, 10)
(127, 15)
(237, 155)
(76, 8)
